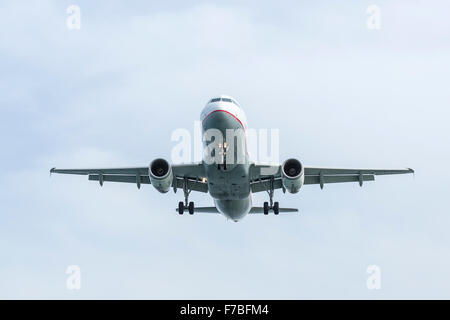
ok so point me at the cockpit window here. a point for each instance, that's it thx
(223, 99)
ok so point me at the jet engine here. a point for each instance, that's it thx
(160, 173)
(292, 175)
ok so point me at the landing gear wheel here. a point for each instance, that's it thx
(185, 205)
(276, 208)
(266, 208)
(191, 207)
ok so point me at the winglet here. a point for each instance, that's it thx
(51, 171)
(412, 171)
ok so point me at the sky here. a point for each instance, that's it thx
(111, 93)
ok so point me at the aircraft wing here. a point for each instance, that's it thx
(194, 173)
(263, 175)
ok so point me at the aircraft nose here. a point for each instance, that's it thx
(218, 118)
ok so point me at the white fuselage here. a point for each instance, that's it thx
(227, 176)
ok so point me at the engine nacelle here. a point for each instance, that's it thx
(292, 175)
(160, 173)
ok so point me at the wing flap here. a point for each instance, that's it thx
(119, 178)
(259, 170)
(193, 184)
(188, 170)
(315, 171)
(339, 178)
(264, 184)
(105, 171)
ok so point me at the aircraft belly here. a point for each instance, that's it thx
(234, 209)
(228, 184)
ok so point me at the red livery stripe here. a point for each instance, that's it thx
(240, 122)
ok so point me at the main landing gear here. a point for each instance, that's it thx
(274, 206)
(186, 205)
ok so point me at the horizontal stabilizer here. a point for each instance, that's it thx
(256, 210)
(204, 210)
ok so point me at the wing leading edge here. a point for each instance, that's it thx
(192, 173)
(261, 181)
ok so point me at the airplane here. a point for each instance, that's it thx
(226, 171)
